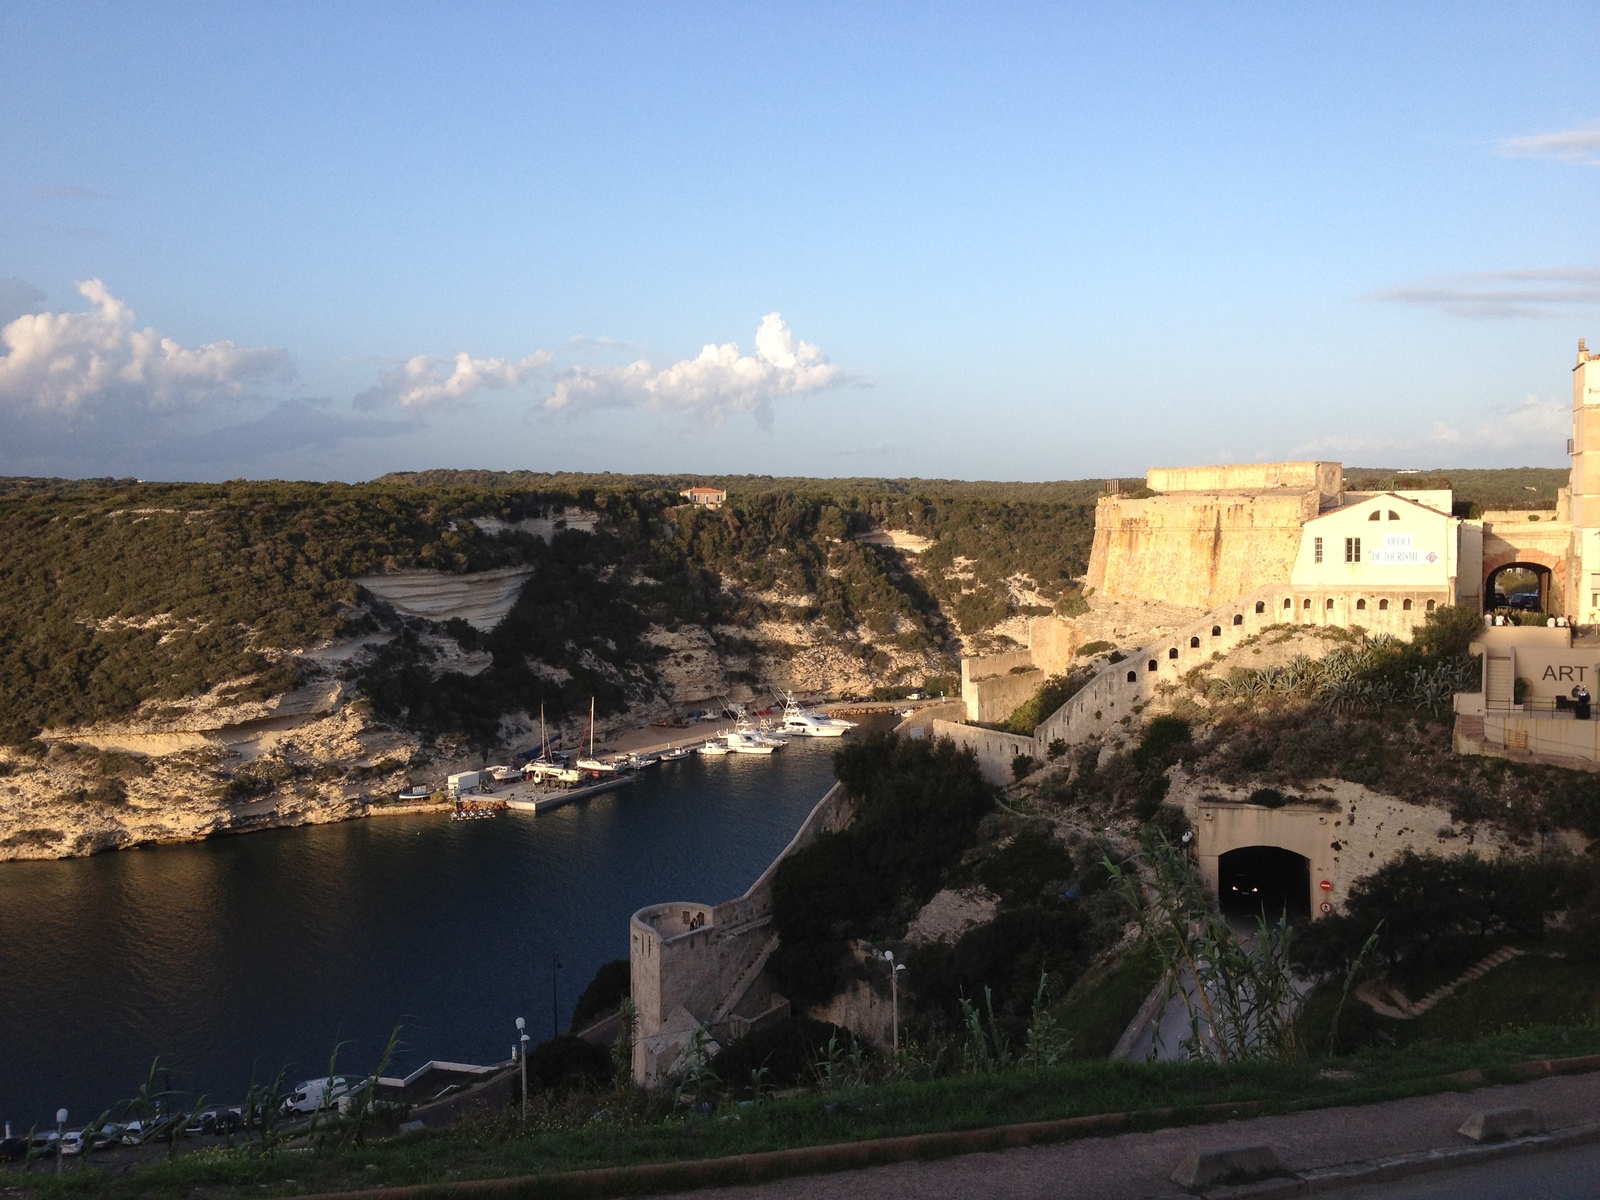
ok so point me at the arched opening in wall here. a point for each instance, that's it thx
(1330, 603)
(1383, 606)
(1216, 631)
(1519, 586)
(1253, 879)
(1238, 618)
(1361, 606)
(1405, 606)
(1261, 606)
(1308, 602)
(1153, 665)
(1194, 643)
(1172, 653)
(1287, 602)
(1133, 677)
(1430, 605)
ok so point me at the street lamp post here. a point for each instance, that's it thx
(522, 1055)
(61, 1128)
(894, 993)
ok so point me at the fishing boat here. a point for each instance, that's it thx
(801, 722)
(674, 753)
(743, 741)
(714, 748)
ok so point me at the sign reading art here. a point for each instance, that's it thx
(1399, 551)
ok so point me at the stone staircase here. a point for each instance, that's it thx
(1380, 996)
(744, 982)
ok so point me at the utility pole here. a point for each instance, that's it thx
(555, 1004)
(522, 1054)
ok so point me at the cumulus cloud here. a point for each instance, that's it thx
(718, 382)
(1533, 424)
(85, 363)
(1580, 145)
(418, 384)
(1498, 294)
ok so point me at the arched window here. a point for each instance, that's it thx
(1216, 631)
(1383, 606)
(1361, 605)
(1238, 618)
(1172, 653)
(1330, 603)
(1288, 603)
(1430, 605)
(1393, 516)
(1261, 606)
(1151, 666)
(1375, 515)
(1194, 643)
(1307, 604)
(1405, 606)
(1133, 677)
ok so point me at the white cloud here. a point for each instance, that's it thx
(72, 363)
(720, 381)
(418, 385)
(1494, 294)
(1533, 429)
(1580, 146)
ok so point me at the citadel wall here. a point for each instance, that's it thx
(1326, 478)
(1199, 549)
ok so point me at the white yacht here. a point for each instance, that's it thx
(748, 741)
(715, 747)
(800, 722)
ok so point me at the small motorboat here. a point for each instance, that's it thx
(415, 794)
(674, 753)
(715, 748)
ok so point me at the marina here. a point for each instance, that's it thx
(239, 956)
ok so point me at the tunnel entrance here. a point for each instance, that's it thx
(1253, 879)
(1519, 586)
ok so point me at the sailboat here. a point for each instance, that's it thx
(592, 763)
(546, 768)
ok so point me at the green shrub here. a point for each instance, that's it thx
(568, 1063)
(1023, 765)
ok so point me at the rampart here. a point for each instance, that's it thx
(692, 966)
(1197, 548)
(994, 750)
(993, 686)
(1128, 686)
(1326, 478)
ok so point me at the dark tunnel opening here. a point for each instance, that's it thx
(1253, 879)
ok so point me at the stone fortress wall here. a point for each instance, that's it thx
(699, 966)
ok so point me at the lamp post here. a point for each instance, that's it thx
(61, 1126)
(894, 993)
(522, 1055)
(555, 1004)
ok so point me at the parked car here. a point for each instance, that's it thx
(1524, 601)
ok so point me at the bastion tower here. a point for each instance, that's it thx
(1583, 600)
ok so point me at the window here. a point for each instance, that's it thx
(1405, 606)
(1288, 603)
(1361, 605)
(1172, 653)
(1393, 516)
(1330, 603)
(1352, 550)
(1238, 618)
(1374, 515)
(1261, 606)
(1430, 605)
(1194, 643)
(1307, 603)
(1133, 677)
(1152, 665)
(1216, 631)
(1383, 606)
(1316, 549)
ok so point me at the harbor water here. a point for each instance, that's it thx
(250, 954)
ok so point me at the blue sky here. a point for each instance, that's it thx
(1004, 241)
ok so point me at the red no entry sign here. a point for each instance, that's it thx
(1326, 885)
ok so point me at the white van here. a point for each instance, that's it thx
(316, 1094)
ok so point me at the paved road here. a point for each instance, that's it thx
(1557, 1175)
(1136, 1165)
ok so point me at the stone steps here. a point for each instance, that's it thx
(1388, 1002)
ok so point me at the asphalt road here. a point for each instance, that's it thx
(1556, 1175)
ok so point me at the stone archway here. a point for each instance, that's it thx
(1551, 570)
(1496, 594)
